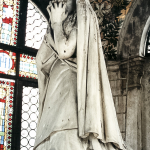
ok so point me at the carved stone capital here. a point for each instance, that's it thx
(135, 71)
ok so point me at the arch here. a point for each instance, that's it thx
(130, 36)
(126, 22)
(144, 38)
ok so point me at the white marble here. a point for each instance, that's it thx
(74, 88)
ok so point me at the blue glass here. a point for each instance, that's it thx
(9, 27)
(8, 37)
(4, 10)
(3, 122)
(3, 128)
(1, 139)
(3, 36)
(3, 25)
(21, 64)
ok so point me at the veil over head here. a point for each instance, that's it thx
(96, 111)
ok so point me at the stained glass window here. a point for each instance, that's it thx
(15, 63)
(35, 27)
(6, 112)
(9, 16)
(29, 117)
(7, 62)
(27, 66)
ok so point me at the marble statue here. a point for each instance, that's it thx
(76, 109)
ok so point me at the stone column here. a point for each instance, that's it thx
(146, 105)
(133, 110)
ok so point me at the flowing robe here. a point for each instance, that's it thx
(81, 101)
(58, 100)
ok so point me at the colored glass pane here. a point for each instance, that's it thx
(35, 27)
(27, 66)
(6, 112)
(30, 104)
(7, 62)
(9, 16)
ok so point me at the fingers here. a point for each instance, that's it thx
(54, 2)
(60, 4)
(64, 6)
(50, 4)
(48, 9)
(64, 2)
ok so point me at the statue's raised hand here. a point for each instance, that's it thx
(57, 12)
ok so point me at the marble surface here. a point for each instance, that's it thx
(74, 88)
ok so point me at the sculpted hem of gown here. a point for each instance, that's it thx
(69, 140)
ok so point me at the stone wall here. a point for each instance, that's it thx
(132, 29)
(136, 107)
(146, 105)
(119, 100)
(128, 99)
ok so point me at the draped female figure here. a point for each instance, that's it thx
(76, 109)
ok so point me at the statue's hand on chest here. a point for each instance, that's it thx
(57, 12)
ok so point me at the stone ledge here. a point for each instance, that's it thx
(135, 71)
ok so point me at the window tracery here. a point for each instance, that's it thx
(9, 17)
(22, 28)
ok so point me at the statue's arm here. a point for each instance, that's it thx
(65, 46)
